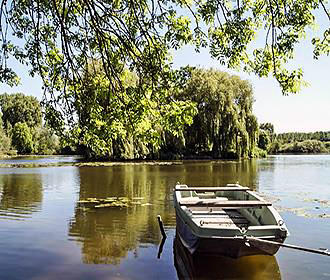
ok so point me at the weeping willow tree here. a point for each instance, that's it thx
(129, 122)
(224, 126)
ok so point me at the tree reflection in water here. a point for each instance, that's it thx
(20, 195)
(108, 234)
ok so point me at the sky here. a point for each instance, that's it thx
(307, 111)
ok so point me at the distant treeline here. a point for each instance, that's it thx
(293, 142)
(300, 142)
(323, 136)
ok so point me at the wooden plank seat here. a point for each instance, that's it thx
(211, 189)
(207, 220)
(216, 209)
(223, 221)
(216, 214)
(228, 203)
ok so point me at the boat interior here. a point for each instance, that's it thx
(234, 209)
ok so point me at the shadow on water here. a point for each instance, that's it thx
(209, 267)
(20, 195)
(218, 173)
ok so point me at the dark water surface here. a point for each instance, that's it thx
(46, 234)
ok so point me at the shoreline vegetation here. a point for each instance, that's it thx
(301, 143)
(211, 118)
(305, 147)
(87, 163)
(206, 113)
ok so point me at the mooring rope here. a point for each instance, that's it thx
(320, 251)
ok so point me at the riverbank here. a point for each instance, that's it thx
(84, 164)
(39, 161)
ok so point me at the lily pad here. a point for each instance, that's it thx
(109, 202)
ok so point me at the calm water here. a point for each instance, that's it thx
(45, 234)
(40, 159)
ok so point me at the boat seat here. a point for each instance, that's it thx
(206, 195)
(197, 200)
(214, 211)
(227, 203)
(220, 198)
(218, 221)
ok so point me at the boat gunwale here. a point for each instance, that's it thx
(233, 232)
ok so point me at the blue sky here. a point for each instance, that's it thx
(306, 111)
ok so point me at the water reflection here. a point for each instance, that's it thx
(41, 249)
(207, 267)
(219, 173)
(40, 159)
(20, 195)
(108, 234)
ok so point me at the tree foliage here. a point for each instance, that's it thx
(45, 142)
(206, 113)
(128, 123)
(22, 138)
(21, 126)
(266, 137)
(5, 141)
(224, 126)
(302, 142)
(59, 38)
(301, 136)
(20, 108)
(293, 142)
(264, 140)
(269, 127)
(306, 146)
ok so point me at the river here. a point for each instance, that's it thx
(46, 234)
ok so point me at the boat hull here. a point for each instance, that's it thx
(234, 248)
(198, 266)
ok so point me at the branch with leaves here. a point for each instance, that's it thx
(61, 39)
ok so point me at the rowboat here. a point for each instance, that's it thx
(230, 221)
